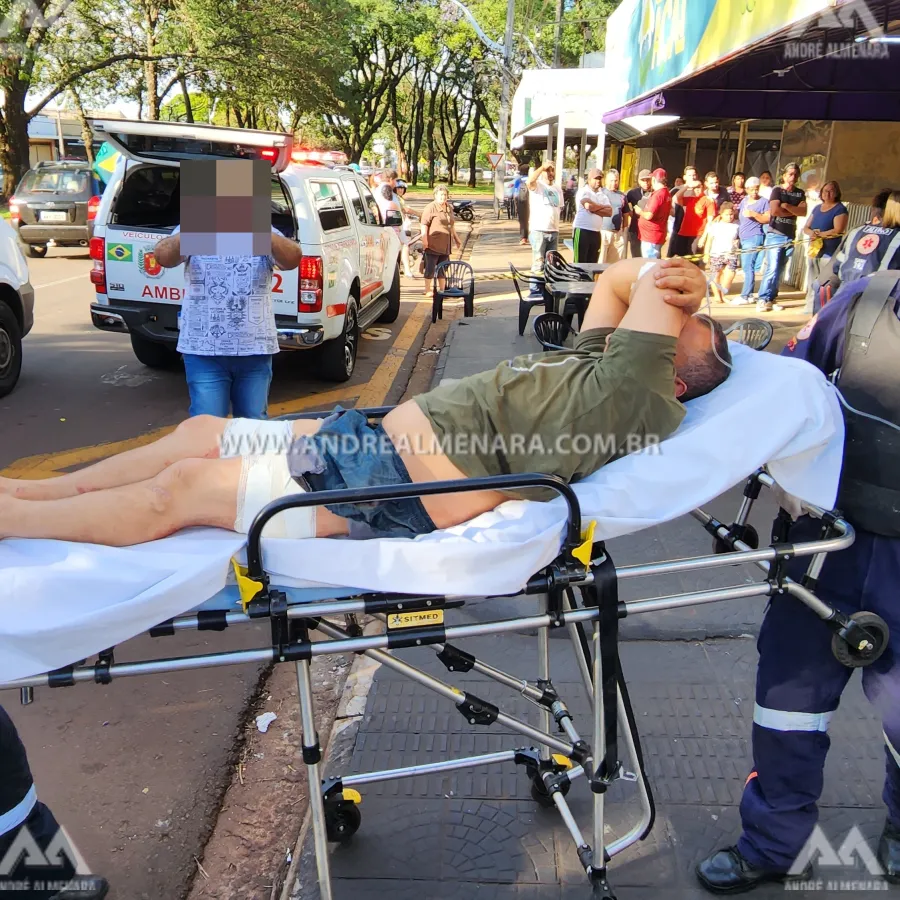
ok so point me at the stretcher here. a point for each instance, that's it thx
(773, 423)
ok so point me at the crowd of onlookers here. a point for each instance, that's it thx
(751, 225)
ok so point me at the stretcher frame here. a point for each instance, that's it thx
(557, 758)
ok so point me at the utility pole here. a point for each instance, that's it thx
(557, 33)
(503, 135)
(506, 50)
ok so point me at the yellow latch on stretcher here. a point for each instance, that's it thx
(583, 552)
(247, 587)
(351, 795)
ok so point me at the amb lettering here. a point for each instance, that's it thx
(162, 292)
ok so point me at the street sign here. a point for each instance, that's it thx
(494, 159)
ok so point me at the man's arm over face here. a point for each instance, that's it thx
(674, 289)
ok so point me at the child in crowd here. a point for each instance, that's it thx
(720, 245)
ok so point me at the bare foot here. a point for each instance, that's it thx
(26, 489)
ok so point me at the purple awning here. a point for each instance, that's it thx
(643, 107)
(830, 72)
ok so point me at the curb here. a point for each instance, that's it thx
(441, 363)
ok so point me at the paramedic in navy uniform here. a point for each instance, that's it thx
(799, 681)
(20, 809)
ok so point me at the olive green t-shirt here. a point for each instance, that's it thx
(564, 413)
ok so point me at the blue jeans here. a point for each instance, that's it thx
(651, 251)
(218, 384)
(751, 260)
(776, 256)
(348, 452)
(542, 242)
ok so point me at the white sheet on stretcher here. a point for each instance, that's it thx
(63, 602)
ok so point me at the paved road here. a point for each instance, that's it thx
(135, 770)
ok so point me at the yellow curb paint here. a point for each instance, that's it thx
(380, 383)
(48, 464)
(44, 465)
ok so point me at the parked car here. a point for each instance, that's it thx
(348, 279)
(54, 203)
(16, 307)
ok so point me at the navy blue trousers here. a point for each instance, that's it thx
(24, 880)
(798, 688)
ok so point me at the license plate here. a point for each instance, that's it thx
(53, 216)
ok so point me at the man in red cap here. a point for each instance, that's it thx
(653, 224)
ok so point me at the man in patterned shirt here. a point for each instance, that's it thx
(227, 335)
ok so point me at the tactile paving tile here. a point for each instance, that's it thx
(410, 708)
(470, 840)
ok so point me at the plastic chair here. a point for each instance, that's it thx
(552, 331)
(567, 271)
(753, 333)
(526, 302)
(459, 283)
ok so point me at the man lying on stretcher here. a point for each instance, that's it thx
(561, 413)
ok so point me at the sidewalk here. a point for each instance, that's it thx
(477, 833)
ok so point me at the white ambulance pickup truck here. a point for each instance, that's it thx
(348, 279)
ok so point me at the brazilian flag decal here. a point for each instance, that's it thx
(121, 252)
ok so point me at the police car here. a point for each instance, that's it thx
(348, 279)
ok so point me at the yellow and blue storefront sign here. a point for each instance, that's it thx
(665, 40)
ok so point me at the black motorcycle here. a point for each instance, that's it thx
(464, 209)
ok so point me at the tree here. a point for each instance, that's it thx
(381, 36)
(31, 33)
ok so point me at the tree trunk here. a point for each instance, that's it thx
(86, 134)
(188, 109)
(473, 153)
(418, 129)
(14, 148)
(430, 138)
(151, 75)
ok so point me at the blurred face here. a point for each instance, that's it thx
(646, 183)
(550, 175)
(765, 179)
(690, 176)
(727, 215)
(657, 184)
(753, 191)
(712, 183)
(612, 181)
(441, 196)
(738, 182)
(790, 177)
(829, 194)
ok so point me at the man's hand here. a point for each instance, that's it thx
(286, 253)
(683, 283)
(168, 252)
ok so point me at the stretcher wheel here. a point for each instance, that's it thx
(342, 822)
(852, 656)
(542, 796)
(750, 538)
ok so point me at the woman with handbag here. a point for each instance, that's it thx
(824, 227)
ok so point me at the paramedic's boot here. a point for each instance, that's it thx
(889, 852)
(94, 888)
(727, 872)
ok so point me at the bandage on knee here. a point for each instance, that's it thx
(255, 437)
(264, 479)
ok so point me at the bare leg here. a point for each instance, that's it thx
(195, 438)
(727, 279)
(188, 492)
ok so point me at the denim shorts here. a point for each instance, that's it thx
(348, 452)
